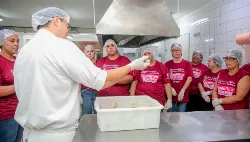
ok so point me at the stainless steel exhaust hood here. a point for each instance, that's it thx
(135, 23)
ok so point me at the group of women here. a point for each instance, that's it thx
(181, 85)
(178, 84)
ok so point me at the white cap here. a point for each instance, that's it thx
(45, 15)
(110, 41)
(4, 34)
(89, 47)
(217, 59)
(176, 45)
(235, 54)
(149, 49)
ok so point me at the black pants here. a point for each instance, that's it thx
(205, 106)
(197, 103)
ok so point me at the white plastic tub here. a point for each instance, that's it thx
(119, 119)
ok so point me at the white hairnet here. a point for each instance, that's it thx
(4, 34)
(149, 49)
(235, 54)
(110, 41)
(217, 59)
(89, 47)
(176, 45)
(45, 15)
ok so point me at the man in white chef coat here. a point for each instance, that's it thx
(47, 74)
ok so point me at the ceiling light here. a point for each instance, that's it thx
(1, 19)
(70, 37)
(207, 40)
(199, 22)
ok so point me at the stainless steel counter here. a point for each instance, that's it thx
(176, 127)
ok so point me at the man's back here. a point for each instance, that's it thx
(48, 96)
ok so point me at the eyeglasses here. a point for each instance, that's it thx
(68, 25)
(112, 45)
(197, 57)
(229, 59)
(176, 50)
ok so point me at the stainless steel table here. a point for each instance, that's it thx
(176, 127)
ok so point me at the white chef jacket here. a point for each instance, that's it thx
(47, 73)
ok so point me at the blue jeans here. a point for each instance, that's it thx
(10, 131)
(179, 107)
(88, 98)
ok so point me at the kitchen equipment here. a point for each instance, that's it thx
(124, 117)
(134, 23)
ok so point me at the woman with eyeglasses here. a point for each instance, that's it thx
(230, 90)
(111, 61)
(181, 73)
(10, 130)
(88, 94)
(153, 81)
(195, 99)
(207, 81)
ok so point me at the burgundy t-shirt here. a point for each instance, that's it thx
(179, 72)
(8, 103)
(118, 89)
(246, 67)
(227, 86)
(208, 79)
(198, 70)
(151, 82)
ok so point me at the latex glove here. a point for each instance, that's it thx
(139, 64)
(181, 94)
(206, 98)
(174, 92)
(207, 93)
(216, 102)
(168, 105)
(218, 107)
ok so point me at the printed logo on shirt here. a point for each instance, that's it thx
(149, 76)
(225, 90)
(196, 72)
(228, 83)
(108, 66)
(176, 75)
(168, 76)
(11, 71)
(208, 84)
(209, 81)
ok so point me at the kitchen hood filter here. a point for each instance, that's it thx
(135, 23)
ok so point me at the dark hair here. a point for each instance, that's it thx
(46, 25)
(1, 47)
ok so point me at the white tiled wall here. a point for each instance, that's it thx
(227, 18)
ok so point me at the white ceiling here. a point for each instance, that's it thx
(18, 12)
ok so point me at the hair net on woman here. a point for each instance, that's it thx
(235, 54)
(110, 41)
(89, 47)
(217, 59)
(198, 52)
(45, 15)
(149, 49)
(4, 34)
(176, 45)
